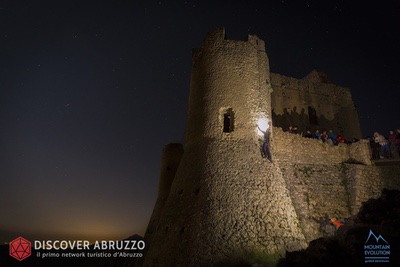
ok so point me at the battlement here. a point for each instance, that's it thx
(217, 37)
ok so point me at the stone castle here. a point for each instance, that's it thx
(219, 201)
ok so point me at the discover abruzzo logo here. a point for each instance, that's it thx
(20, 248)
(376, 249)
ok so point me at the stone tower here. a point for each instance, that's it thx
(225, 202)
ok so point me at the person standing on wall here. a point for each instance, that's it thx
(381, 140)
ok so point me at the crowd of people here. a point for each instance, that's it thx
(381, 146)
(329, 136)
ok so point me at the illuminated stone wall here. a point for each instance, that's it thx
(320, 192)
(226, 201)
(295, 149)
(329, 181)
(294, 99)
(368, 181)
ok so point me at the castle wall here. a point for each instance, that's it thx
(225, 203)
(319, 193)
(368, 181)
(170, 160)
(334, 108)
(295, 149)
(329, 181)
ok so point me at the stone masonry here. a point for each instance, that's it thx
(314, 103)
(219, 201)
(226, 201)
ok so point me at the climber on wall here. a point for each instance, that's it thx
(266, 148)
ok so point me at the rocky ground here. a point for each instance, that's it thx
(346, 247)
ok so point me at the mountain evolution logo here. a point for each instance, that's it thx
(20, 248)
(376, 249)
(371, 234)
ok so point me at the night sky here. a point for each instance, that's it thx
(91, 90)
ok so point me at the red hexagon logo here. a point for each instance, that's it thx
(20, 248)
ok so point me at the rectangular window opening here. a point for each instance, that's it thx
(228, 121)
